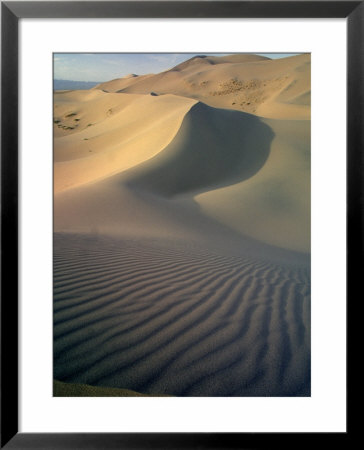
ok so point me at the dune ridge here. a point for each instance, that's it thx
(201, 144)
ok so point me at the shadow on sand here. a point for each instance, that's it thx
(213, 148)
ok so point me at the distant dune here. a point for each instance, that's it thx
(274, 88)
(182, 230)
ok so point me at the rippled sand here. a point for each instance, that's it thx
(178, 319)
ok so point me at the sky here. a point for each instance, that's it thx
(108, 66)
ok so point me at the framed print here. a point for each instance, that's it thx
(181, 211)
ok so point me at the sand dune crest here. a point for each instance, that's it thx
(201, 157)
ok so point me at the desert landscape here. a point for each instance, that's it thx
(182, 231)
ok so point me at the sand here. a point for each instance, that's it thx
(182, 230)
(61, 389)
(277, 88)
(159, 317)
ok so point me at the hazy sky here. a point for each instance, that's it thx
(107, 66)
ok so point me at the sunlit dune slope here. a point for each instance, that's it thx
(110, 132)
(278, 88)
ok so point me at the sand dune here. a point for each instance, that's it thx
(113, 132)
(277, 88)
(273, 205)
(250, 175)
(201, 156)
(182, 231)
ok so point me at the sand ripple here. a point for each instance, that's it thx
(171, 318)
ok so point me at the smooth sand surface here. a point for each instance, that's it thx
(182, 230)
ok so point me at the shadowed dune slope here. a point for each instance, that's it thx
(278, 88)
(273, 205)
(212, 148)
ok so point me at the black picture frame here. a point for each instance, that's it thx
(11, 12)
